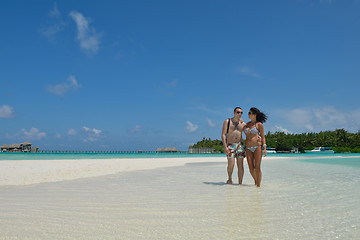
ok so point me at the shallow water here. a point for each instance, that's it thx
(297, 200)
(101, 155)
(127, 155)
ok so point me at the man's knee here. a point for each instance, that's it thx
(240, 163)
(231, 161)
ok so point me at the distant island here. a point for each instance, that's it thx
(340, 140)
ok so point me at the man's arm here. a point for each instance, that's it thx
(223, 136)
(242, 130)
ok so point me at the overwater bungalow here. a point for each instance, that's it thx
(19, 147)
(167, 149)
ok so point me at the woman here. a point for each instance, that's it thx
(254, 143)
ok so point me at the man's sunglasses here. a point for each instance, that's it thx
(239, 112)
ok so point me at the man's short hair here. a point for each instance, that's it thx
(237, 108)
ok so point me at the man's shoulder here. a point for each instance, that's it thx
(227, 120)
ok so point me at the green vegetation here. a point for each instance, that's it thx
(340, 140)
(208, 143)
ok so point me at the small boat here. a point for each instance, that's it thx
(322, 149)
(270, 150)
(317, 149)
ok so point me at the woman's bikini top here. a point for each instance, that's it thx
(253, 130)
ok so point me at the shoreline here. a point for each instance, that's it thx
(26, 172)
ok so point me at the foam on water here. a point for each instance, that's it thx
(297, 200)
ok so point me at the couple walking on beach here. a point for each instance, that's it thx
(255, 143)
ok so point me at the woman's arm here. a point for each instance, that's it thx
(263, 140)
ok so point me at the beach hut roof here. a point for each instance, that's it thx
(15, 145)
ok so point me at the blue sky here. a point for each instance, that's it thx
(140, 75)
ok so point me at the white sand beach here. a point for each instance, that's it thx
(25, 172)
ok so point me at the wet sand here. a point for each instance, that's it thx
(24, 172)
(178, 199)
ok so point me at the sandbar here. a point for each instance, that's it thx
(25, 172)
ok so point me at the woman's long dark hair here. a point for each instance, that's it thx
(260, 116)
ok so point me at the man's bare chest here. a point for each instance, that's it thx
(236, 127)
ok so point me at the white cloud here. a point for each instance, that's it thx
(210, 122)
(62, 88)
(190, 127)
(34, 133)
(87, 36)
(354, 117)
(204, 108)
(58, 135)
(322, 119)
(71, 132)
(92, 135)
(51, 31)
(136, 129)
(327, 1)
(171, 84)
(58, 26)
(55, 12)
(281, 129)
(248, 72)
(299, 117)
(167, 88)
(96, 131)
(6, 111)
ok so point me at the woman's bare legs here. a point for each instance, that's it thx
(257, 159)
(250, 160)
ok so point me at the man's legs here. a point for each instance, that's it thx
(230, 168)
(240, 165)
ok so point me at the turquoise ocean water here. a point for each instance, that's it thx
(306, 196)
(348, 159)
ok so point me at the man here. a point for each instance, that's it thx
(233, 144)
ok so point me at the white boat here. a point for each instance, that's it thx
(317, 149)
(270, 150)
(322, 149)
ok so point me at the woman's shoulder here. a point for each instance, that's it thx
(259, 125)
